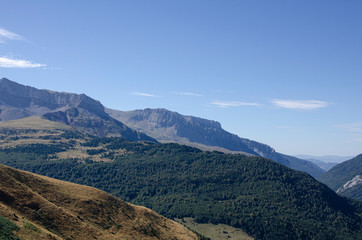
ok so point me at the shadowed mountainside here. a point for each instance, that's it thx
(344, 178)
(167, 126)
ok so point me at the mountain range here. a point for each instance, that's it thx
(264, 199)
(168, 126)
(77, 110)
(90, 116)
(324, 162)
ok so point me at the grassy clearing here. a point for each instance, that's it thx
(35, 122)
(215, 232)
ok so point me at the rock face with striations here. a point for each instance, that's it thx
(357, 180)
(77, 110)
(164, 125)
(32, 101)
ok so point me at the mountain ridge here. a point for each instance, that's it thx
(165, 125)
(18, 95)
(77, 110)
(341, 174)
(90, 116)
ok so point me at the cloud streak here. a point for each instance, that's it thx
(18, 63)
(299, 104)
(189, 94)
(7, 35)
(355, 127)
(225, 104)
(142, 94)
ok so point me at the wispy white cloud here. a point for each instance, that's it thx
(5, 34)
(142, 94)
(18, 63)
(225, 104)
(355, 127)
(189, 94)
(299, 104)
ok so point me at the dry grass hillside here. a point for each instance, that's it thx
(37, 130)
(46, 208)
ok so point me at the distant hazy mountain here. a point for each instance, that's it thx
(345, 178)
(324, 165)
(326, 158)
(164, 125)
(77, 110)
(38, 207)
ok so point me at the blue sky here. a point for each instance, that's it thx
(284, 73)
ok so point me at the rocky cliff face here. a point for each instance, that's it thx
(165, 125)
(186, 128)
(77, 110)
(37, 102)
(93, 124)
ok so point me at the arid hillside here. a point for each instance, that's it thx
(45, 208)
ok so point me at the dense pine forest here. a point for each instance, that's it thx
(265, 199)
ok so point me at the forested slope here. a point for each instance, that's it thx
(265, 199)
(342, 173)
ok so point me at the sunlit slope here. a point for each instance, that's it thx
(46, 208)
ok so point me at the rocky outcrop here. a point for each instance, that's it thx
(345, 178)
(93, 124)
(37, 102)
(357, 180)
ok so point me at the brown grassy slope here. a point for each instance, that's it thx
(35, 122)
(62, 210)
(37, 130)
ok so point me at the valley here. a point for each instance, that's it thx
(179, 181)
(181, 167)
(180, 120)
(345, 178)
